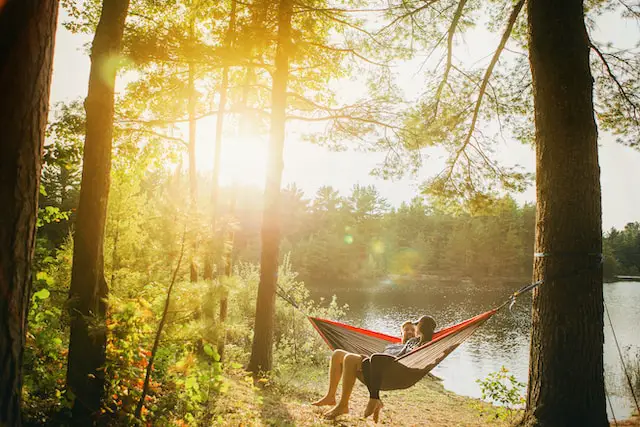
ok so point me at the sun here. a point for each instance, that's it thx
(243, 159)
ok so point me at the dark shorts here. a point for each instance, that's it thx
(366, 370)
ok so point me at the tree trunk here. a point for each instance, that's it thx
(566, 382)
(261, 350)
(193, 175)
(27, 33)
(89, 291)
(156, 341)
(228, 268)
(215, 185)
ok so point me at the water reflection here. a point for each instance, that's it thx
(503, 340)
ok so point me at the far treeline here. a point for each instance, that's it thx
(339, 239)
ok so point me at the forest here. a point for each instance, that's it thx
(331, 240)
(139, 271)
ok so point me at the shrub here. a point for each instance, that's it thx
(503, 388)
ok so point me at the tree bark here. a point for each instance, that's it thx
(566, 381)
(261, 351)
(89, 291)
(27, 34)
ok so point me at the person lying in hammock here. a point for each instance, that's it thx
(351, 365)
(373, 367)
(348, 365)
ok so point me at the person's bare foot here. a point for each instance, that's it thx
(373, 407)
(325, 401)
(336, 412)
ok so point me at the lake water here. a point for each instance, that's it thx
(503, 340)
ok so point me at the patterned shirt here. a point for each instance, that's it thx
(398, 350)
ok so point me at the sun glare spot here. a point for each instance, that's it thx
(242, 161)
(404, 262)
(377, 247)
(109, 67)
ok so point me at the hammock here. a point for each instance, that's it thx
(409, 368)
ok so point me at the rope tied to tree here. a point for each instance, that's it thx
(512, 299)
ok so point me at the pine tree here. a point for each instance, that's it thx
(27, 34)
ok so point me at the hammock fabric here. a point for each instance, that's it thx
(409, 368)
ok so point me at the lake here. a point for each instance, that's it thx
(503, 340)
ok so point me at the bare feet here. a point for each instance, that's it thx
(373, 407)
(325, 401)
(336, 412)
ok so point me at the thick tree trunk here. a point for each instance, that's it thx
(566, 382)
(27, 33)
(88, 293)
(261, 350)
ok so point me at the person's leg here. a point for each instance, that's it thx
(377, 367)
(352, 362)
(335, 372)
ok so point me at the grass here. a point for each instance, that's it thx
(285, 402)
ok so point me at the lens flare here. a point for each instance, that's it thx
(109, 67)
(377, 247)
(405, 262)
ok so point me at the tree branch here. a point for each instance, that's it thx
(452, 29)
(485, 81)
(408, 14)
(307, 8)
(352, 26)
(613, 77)
(201, 116)
(635, 13)
(347, 50)
(161, 135)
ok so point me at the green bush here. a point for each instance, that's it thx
(187, 375)
(503, 388)
(45, 356)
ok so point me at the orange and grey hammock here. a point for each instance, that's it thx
(410, 368)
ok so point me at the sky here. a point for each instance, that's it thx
(310, 166)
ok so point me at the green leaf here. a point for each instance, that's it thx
(208, 350)
(43, 276)
(42, 294)
(191, 382)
